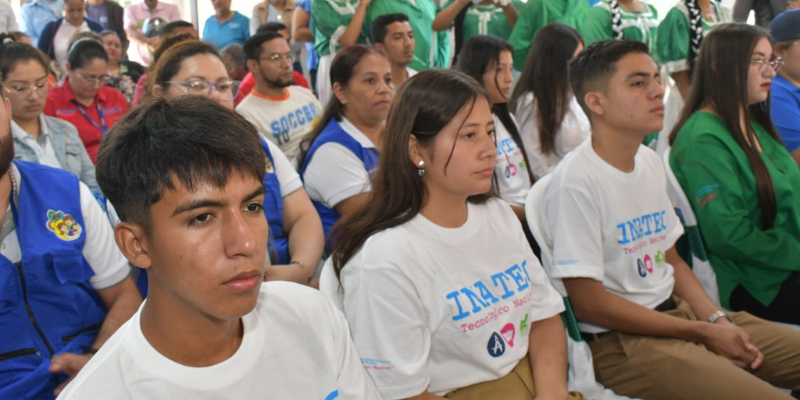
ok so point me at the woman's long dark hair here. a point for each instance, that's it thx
(720, 81)
(13, 53)
(341, 72)
(422, 107)
(478, 54)
(545, 75)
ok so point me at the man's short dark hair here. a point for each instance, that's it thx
(273, 26)
(595, 65)
(189, 138)
(167, 29)
(378, 31)
(252, 47)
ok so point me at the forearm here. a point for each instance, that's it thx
(511, 14)
(350, 36)
(682, 83)
(303, 35)
(796, 156)
(547, 351)
(688, 288)
(120, 310)
(306, 244)
(444, 19)
(618, 314)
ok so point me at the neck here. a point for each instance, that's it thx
(5, 193)
(172, 331)
(224, 15)
(703, 4)
(270, 91)
(278, 4)
(370, 129)
(445, 210)
(617, 147)
(113, 66)
(76, 24)
(399, 73)
(96, 2)
(793, 79)
(86, 101)
(31, 126)
(152, 6)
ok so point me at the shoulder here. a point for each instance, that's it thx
(650, 160)
(700, 128)
(300, 91)
(295, 302)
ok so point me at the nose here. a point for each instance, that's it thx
(241, 235)
(658, 90)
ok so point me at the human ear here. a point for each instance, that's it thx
(132, 242)
(594, 102)
(338, 91)
(415, 150)
(252, 66)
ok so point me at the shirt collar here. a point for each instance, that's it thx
(20, 134)
(356, 134)
(784, 83)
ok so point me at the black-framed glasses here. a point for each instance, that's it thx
(25, 91)
(227, 89)
(763, 62)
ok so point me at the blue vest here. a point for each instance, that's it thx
(334, 133)
(47, 306)
(273, 208)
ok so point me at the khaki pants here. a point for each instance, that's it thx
(670, 369)
(517, 385)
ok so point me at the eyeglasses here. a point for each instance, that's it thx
(763, 63)
(227, 88)
(102, 79)
(25, 91)
(276, 58)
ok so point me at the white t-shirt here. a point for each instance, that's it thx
(612, 226)
(296, 345)
(285, 120)
(512, 174)
(61, 41)
(438, 309)
(288, 178)
(334, 173)
(100, 250)
(8, 22)
(574, 129)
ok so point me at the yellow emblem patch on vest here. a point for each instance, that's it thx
(63, 225)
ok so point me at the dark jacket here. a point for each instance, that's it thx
(49, 34)
(115, 12)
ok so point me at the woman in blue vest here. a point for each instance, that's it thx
(194, 67)
(339, 155)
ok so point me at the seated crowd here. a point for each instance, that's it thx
(187, 218)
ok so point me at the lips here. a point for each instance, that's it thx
(658, 110)
(244, 282)
(486, 173)
(766, 85)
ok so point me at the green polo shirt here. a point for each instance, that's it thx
(430, 50)
(717, 178)
(636, 25)
(535, 14)
(328, 16)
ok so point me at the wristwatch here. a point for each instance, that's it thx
(719, 314)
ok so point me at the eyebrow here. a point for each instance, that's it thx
(640, 74)
(202, 203)
(758, 53)
(37, 79)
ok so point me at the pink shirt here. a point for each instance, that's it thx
(136, 14)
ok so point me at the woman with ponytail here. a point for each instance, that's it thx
(621, 19)
(743, 184)
(489, 60)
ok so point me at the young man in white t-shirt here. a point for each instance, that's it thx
(191, 210)
(284, 112)
(653, 331)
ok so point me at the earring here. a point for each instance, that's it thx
(421, 168)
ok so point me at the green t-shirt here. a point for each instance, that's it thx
(328, 17)
(430, 51)
(672, 39)
(635, 25)
(717, 178)
(538, 13)
(484, 19)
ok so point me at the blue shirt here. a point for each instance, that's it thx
(99, 13)
(234, 30)
(785, 110)
(38, 13)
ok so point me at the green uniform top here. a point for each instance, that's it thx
(538, 13)
(430, 50)
(330, 18)
(635, 25)
(717, 178)
(672, 39)
(484, 19)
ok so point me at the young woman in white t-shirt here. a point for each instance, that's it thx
(489, 59)
(195, 68)
(337, 157)
(552, 122)
(442, 294)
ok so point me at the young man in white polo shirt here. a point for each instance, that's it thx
(190, 201)
(653, 331)
(284, 112)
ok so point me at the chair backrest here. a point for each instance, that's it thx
(699, 261)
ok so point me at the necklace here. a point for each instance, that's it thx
(13, 186)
